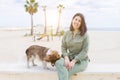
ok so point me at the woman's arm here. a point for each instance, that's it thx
(64, 52)
(64, 46)
(83, 54)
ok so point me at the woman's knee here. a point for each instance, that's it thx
(59, 62)
(83, 66)
(79, 68)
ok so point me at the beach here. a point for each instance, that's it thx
(104, 46)
(104, 52)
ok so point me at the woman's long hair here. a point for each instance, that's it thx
(82, 28)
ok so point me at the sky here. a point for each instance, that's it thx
(99, 14)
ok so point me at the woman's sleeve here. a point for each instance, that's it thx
(83, 54)
(64, 46)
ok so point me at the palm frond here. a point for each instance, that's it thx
(25, 6)
(27, 2)
(32, 1)
(36, 5)
(35, 10)
(60, 6)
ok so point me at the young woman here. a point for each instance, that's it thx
(74, 49)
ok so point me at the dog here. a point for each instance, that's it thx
(44, 54)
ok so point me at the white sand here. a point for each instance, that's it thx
(104, 47)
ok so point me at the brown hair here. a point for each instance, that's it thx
(82, 28)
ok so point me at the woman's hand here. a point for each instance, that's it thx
(72, 63)
(67, 62)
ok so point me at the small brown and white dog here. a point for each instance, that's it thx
(45, 55)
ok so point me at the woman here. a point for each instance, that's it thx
(74, 49)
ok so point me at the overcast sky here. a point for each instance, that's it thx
(98, 13)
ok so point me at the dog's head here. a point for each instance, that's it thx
(52, 57)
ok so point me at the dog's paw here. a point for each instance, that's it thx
(46, 68)
(34, 64)
(28, 66)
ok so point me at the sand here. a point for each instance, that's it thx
(104, 48)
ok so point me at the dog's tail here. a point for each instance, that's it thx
(26, 52)
(27, 57)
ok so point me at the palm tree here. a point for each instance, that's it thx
(31, 7)
(60, 7)
(44, 9)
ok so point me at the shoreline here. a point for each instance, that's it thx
(28, 28)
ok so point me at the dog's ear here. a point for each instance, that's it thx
(56, 55)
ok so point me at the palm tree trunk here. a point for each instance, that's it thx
(45, 29)
(58, 25)
(31, 24)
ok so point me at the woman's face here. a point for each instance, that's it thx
(76, 22)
